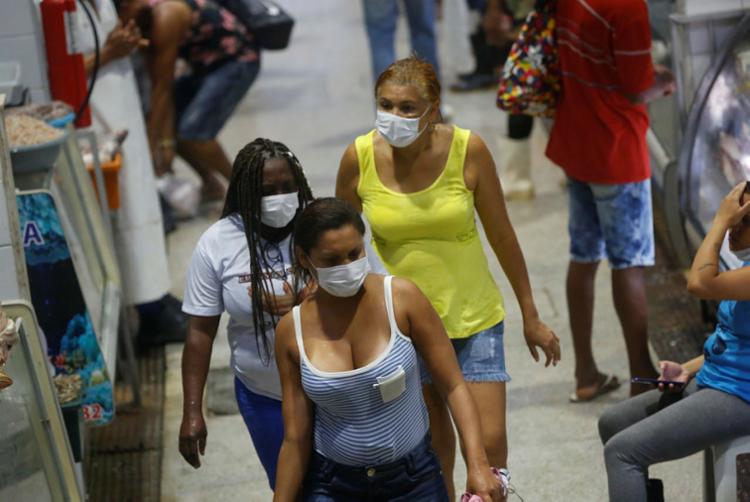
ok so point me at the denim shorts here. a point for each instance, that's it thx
(416, 476)
(612, 221)
(204, 102)
(481, 357)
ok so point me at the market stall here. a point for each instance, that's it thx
(38, 454)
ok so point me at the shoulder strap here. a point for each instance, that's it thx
(388, 291)
(366, 160)
(457, 156)
(298, 333)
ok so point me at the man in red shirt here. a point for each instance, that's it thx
(599, 139)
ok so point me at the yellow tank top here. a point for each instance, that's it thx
(431, 238)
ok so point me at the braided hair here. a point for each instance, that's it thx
(243, 198)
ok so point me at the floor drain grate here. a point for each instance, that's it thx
(123, 459)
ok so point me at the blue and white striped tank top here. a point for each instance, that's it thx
(370, 415)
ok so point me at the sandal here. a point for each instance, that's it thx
(607, 383)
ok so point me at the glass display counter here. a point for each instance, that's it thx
(36, 457)
(88, 234)
(715, 153)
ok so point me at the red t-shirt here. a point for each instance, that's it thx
(599, 136)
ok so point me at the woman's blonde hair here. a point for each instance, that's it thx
(415, 72)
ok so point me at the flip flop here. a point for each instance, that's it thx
(606, 385)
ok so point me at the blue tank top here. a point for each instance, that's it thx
(727, 351)
(370, 415)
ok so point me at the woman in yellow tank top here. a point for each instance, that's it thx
(419, 183)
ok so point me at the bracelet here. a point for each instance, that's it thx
(167, 143)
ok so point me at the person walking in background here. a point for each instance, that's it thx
(249, 250)
(355, 422)
(380, 20)
(420, 183)
(501, 21)
(694, 414)
(138, 231)
(599, 140)
(186, 114)
(488, 57)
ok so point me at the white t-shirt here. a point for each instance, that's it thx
(218, 281)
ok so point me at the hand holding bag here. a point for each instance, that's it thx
(531, 76)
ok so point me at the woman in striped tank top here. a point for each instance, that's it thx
(355, 421)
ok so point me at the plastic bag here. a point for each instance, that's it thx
(183, 196)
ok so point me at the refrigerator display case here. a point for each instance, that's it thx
(665, 131)
(715, 151)
(37, 460)
(698, 137)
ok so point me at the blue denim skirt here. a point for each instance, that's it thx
(481, 356)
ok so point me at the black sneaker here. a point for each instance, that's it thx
(168, 325)
(466, 76)
(476, 82)
(168, 220)
(655, 490)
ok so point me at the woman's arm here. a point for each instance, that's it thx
(121, 42)
(481, 178)
(693, 366)
(706, 281)
(348, 178)
(298, 416)
(196, 358)
(170, 23)
(431, 342)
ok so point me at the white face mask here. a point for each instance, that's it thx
(742, 254)
(399, 131)
(344, 280)
(278, 210)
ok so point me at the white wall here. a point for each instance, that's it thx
(21, 40)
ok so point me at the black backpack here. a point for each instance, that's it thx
(265, 19)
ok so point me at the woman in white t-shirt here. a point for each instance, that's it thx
(265, 192)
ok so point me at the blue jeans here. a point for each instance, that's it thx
(204, 102)
(615, 221)
(262, 416)
(416, 476)
(380, 19)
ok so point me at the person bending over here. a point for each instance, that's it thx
(186, 114)
(355, 421)
(715, 405)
